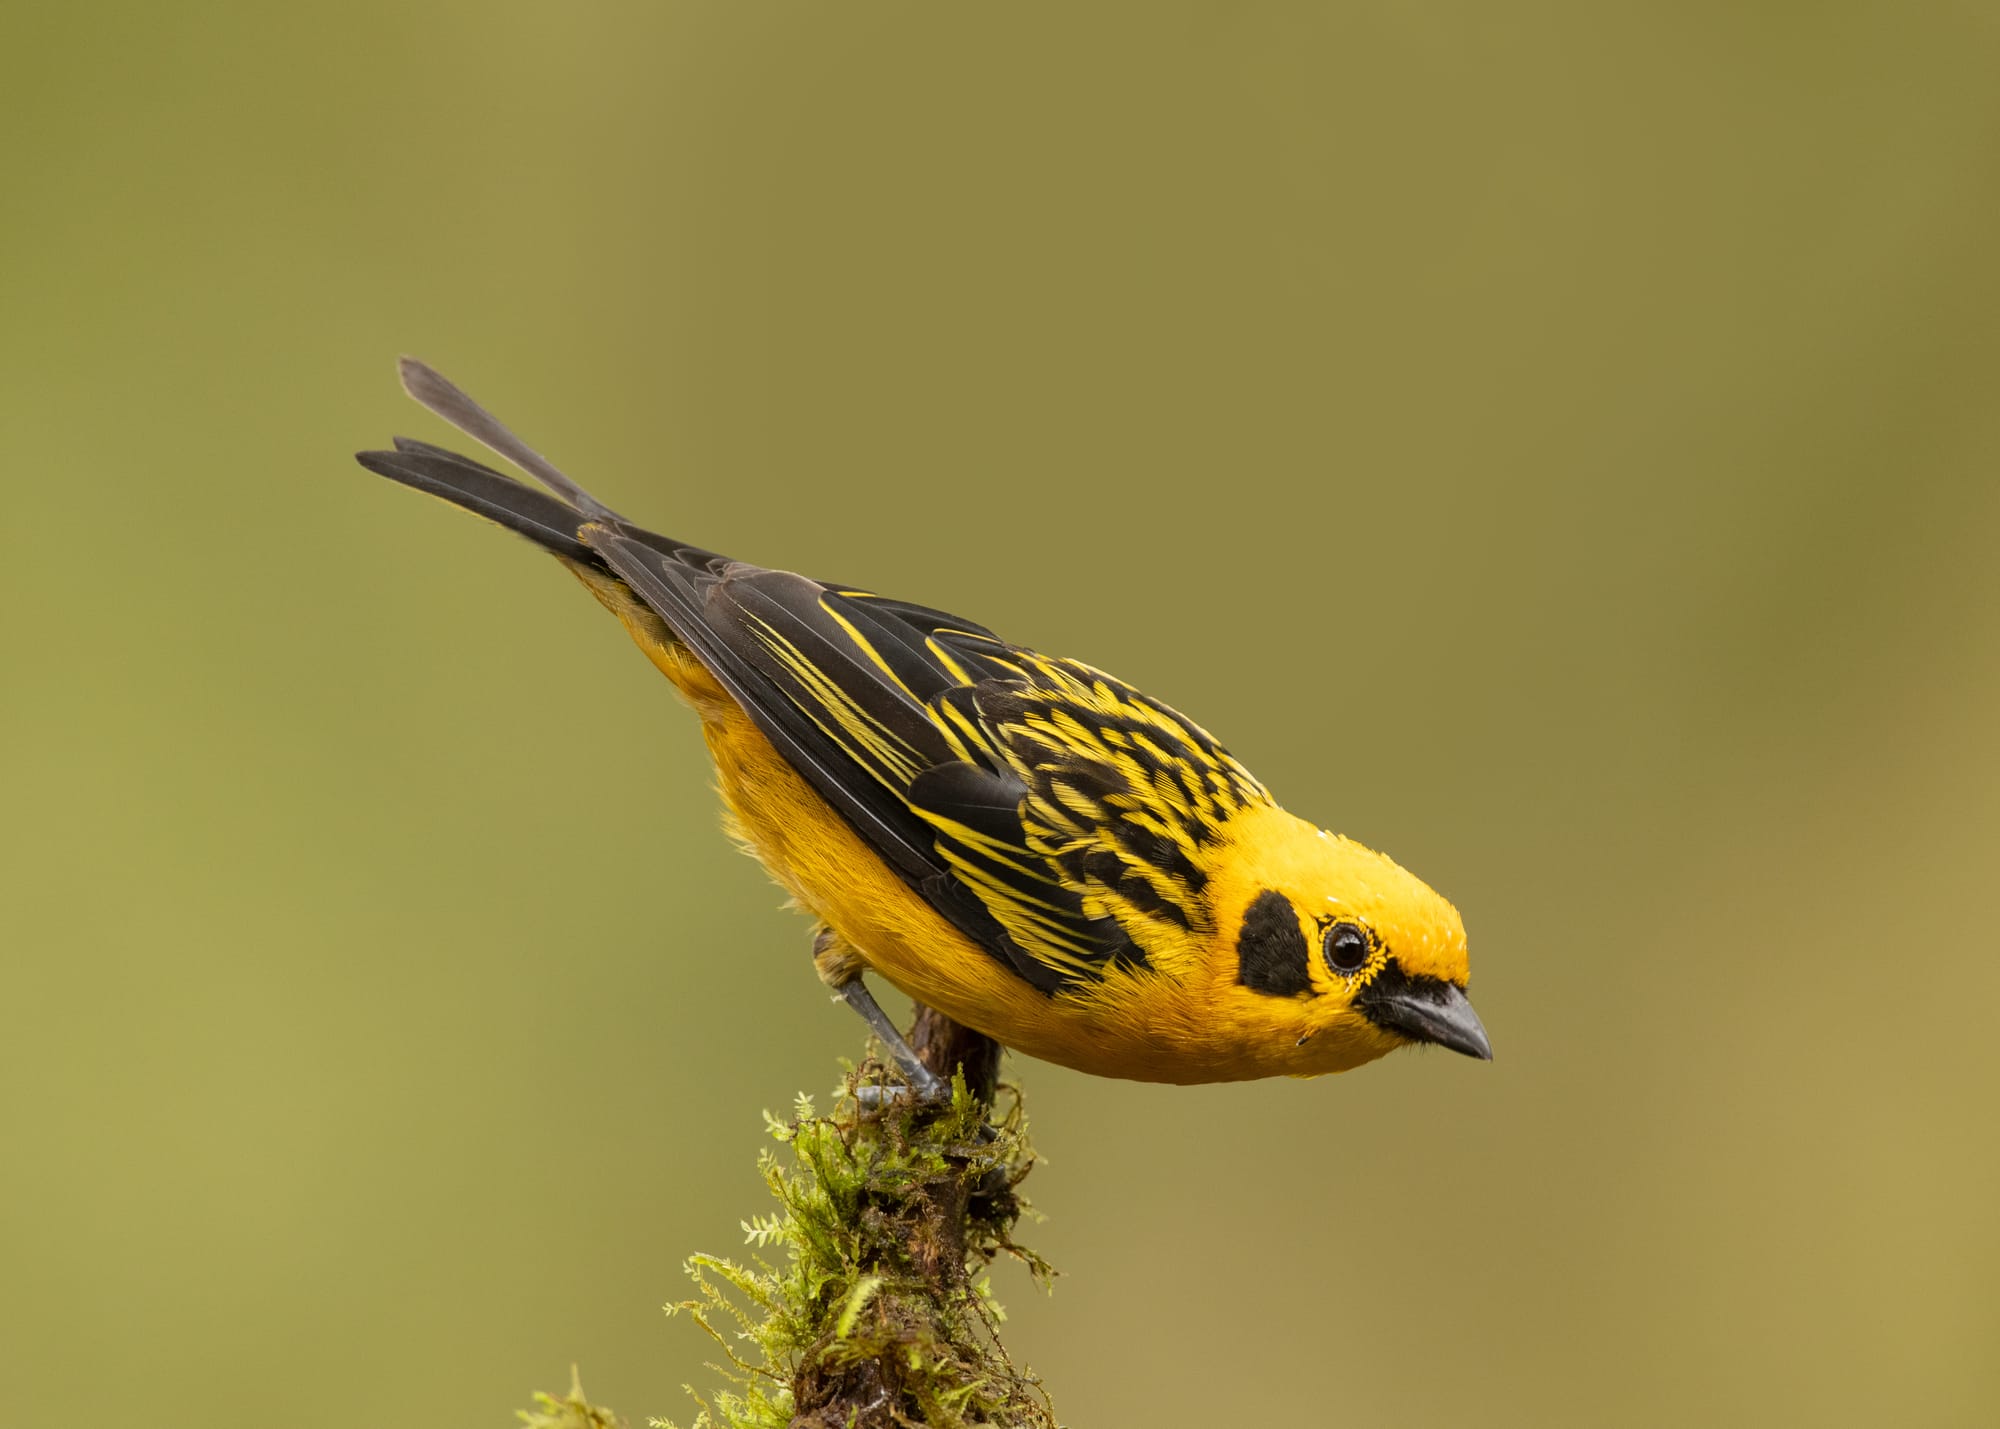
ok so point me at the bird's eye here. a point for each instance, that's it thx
(1347, 947)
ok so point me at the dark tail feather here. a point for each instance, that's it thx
(441, 396)
(552, 519)
(550, 523)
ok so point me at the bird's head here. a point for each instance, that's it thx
(1341, 945)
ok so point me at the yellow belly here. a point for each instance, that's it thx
(1189, 1022)
(825, 866)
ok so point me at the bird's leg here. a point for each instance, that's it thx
(925, 1084)
(841, 969)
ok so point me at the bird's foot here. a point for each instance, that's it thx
(924, 1084)
(877, 1097)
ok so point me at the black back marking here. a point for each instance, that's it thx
(1044, 809)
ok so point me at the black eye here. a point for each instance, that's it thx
(1347, 947)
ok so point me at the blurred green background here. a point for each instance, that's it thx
(1557, 444)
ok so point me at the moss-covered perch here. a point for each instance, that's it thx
(876, 1312)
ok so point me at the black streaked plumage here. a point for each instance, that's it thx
(1027, 799)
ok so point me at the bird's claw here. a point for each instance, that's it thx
(928, 1090)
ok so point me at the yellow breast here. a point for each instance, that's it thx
(1185, 1020)
(1193, 1024)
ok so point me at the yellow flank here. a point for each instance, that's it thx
(1186, 1019)
(1022, 842)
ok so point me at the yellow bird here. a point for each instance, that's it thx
(1032, 847)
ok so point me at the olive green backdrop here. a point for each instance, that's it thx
(1557, 444)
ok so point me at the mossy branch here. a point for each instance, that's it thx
(572, 1411)
(875, 1309)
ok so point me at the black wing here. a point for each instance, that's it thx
(1044, 809)
(849, 688)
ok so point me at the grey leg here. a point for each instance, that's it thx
(924, 1083)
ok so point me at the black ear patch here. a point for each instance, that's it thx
(1272, 948)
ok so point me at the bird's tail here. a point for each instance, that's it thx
(552, 519)
(564, 520)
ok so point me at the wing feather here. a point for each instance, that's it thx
(1047, 811)
(1040, 805)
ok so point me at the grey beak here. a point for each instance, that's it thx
(1436, 1012)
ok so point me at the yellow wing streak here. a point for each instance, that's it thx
(961, 733)
(995, 852)
(861, 643)
(943, 657)
(861, 730)
(1173, 828)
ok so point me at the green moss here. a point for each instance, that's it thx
(572, 1411)
(874, 1307)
